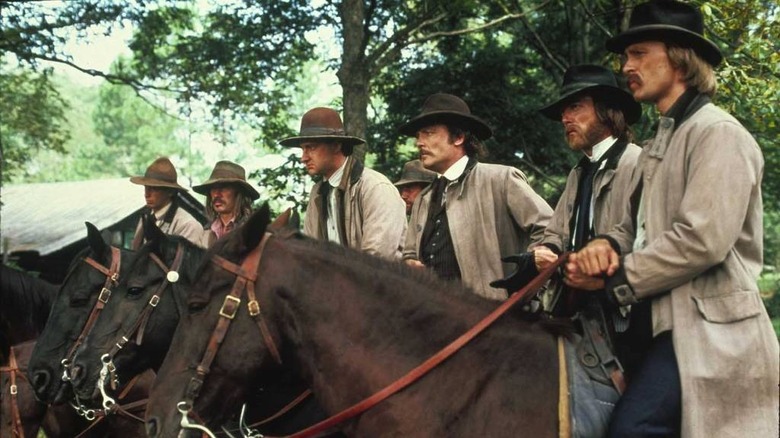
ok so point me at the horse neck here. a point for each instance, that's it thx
(26, 304)
(378, 322)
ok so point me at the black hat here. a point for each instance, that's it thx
(597, 82)
(667, 21)
(446, 108)
(323, 124)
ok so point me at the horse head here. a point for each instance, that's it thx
(85, 292)
(191, 380)
(134, 333)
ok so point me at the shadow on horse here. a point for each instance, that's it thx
(349, 325)
(85, 292)
(134, 332)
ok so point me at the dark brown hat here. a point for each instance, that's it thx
(415, 173)
(323, 124)
(446, 108)
(597, 82)
(227, 172)
(160, 173)
(667, 21)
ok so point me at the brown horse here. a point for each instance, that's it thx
(351, 324)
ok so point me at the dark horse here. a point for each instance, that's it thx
(350, 324)
(26, 303)
(81, 297)
(145, 331)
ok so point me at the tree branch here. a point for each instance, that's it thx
(398, 38)
(539, 43)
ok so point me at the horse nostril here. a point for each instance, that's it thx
(151, 427)
(40, 381)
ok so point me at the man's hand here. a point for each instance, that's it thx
(414, 263)
(576, 279)
(543, 257)
(595, 259)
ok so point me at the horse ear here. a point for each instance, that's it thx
(281, 221)
(152, 232)
(95, 240)
(254, 228)
(295, 220)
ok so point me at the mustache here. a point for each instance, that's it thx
(634, 78)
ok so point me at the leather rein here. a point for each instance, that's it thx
(13, 369)
(246, 276)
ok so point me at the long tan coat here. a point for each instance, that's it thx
(702, 197)
(492, 213)
(612, 190)
(374, 215)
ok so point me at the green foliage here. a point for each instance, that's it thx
(32, 113)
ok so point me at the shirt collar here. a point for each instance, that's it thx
(457, 169)
(159, 214)
(335, 179)
(601, 148)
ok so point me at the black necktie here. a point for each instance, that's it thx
(582, 234)
(324, 192)
(439, 186)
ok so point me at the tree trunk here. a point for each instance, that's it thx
(353, 73)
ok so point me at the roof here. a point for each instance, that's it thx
(45, 217)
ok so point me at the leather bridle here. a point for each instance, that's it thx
(12, 369)
(138, 327)
(246, 277)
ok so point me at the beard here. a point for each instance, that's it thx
(587, 138)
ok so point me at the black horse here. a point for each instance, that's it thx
(350, 324)
(85, 292)
(25, 310)
(145, 309)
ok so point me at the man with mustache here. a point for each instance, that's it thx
(229, 200)
(474, 213)
(689, 247)
(352, 205)
(161, 192)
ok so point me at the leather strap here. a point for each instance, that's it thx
(12, 369)
(517, 297)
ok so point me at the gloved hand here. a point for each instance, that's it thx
(525, 272)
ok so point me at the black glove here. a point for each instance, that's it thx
(525, 272)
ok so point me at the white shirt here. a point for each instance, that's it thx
(332, 206)
(453, 173)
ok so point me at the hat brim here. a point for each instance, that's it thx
(204, 188)
(151, 182)
(632, 110)
(346, 140)
(471, 123)
(404, 182)
(667, 33)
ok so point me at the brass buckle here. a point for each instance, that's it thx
(13, 390)
(223, 312)
(154, 300)
(105, 294)
(254, 308)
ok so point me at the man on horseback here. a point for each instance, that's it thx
(413, 179)
(228, 200)
(161, 194)
(353, 205)
(689, 247)
(474, 213)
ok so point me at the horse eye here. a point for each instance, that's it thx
(134, 291)
(196, 306)
(78, 301)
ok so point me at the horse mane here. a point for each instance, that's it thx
(26, 302)
(168, 246)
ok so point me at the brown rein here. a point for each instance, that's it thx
(12, 369)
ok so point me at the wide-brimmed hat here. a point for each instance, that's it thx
(446, 108)
(667, 21)
(160, 173)
(227, 172)
(597, 82)
(323, 125)
(415, 173)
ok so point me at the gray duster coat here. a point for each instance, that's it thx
(492, 213)
(373, 213)
(703, 219)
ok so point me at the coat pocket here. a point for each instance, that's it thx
(731, 307)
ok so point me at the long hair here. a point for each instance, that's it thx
(697, 72)
(242, 209)
(471, 144)
(613, 119)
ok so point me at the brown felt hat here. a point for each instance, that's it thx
(227, 172)
(669, 22)
(160, 173)
(414, 173)
(446, 109)
(323, 125)
(597, 82)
